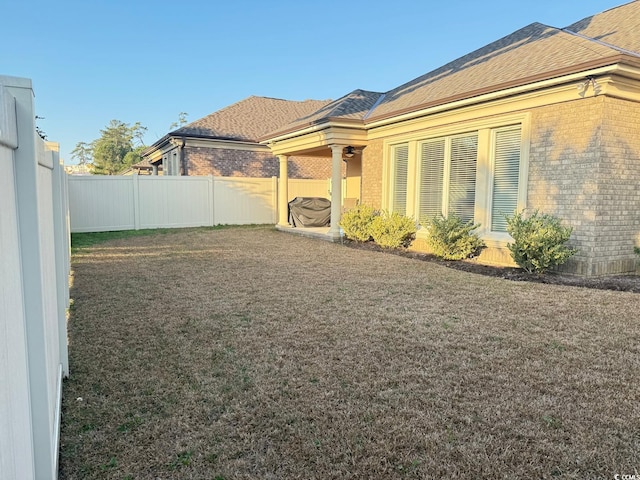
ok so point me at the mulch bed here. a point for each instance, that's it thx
(621, 283)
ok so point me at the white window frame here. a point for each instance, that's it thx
(520, 201)
(446, 170)
(484, 167)
(392, 169)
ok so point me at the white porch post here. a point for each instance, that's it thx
(283, 192)
(336, 190)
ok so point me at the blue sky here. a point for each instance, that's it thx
(146, 61)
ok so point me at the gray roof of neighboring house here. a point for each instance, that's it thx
(353, 106)
(249, 119)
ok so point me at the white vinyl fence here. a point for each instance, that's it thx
(34, 289)
(105, 203)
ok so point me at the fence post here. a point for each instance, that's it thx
(136, 202)
(26, 174)
(212, 203)
(61, 246)
(274, 199)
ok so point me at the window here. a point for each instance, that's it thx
(462, 177)
(448, 177)
(477, 170)
(506, 174)
(431, 179)
(400, 166)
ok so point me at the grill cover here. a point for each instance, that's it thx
(310, 212)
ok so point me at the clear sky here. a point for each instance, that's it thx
(146, 61)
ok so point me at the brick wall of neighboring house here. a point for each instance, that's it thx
(372, 174)
(245, 163)
(584, 167)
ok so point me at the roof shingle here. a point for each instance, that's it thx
(353, 106)
(535, 50)
(249, 119)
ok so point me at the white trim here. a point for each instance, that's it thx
(491, 176)
(484, 129)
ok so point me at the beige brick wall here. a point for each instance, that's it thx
(618, 216)
(372, 174)
(564, 154)
(244, 163)
(584, 167)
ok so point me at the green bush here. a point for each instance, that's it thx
(451, 238)
(392, 230)
(356, 223)
(539, 241)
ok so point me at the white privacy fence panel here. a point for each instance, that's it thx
(16, 439)
(243, 201)
(105, 203)
(34, 283)
(308, 188)
(171, 202)
(98, 203)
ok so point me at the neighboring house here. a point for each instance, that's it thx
(77, 169)
(225, 142)
(544, 118)
(144, 167)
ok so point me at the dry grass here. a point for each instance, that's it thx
(252, 354)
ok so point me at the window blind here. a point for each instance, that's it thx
(506, 172)
(462, 177)
(431, 179)
(400, 177)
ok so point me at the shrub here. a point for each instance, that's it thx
(392, 230)
(539, 241)
(356, 223)
(451, 238)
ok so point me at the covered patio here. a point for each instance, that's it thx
(337, 133)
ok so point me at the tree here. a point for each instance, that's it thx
(138, 132)
(114, 151)
(182, 120)
(83, 153)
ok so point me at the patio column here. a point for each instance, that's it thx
(283, 192)
(336, 190)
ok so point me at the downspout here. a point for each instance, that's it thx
(181, 159)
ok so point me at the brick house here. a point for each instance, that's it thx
(545, 118)
(224, 143)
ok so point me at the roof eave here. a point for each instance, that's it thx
(309, 127)
(509, 88)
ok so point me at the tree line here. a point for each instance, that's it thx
(119, 147)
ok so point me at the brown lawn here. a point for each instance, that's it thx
(246, 353)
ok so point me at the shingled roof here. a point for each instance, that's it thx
(249, 119)
(533, 53)
(354, 106)
(618, 27)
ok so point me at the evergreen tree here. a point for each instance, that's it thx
(115, 151)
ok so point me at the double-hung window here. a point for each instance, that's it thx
(400, 167)
(448, 177)
(506, 174)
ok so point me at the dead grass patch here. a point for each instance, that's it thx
(249, 353)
